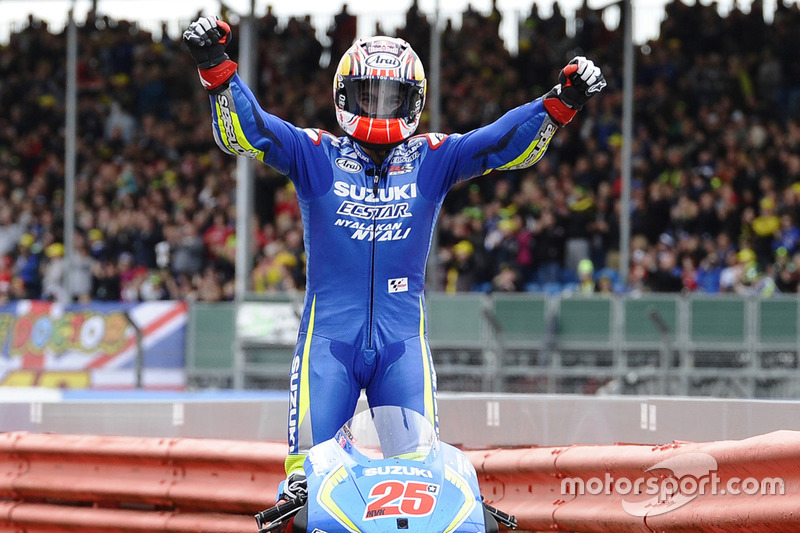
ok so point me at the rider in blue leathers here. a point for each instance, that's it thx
(369, 202)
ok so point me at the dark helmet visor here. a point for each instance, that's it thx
(380, 97)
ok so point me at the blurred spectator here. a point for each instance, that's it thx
(105, 281)
(343, 31)
(11, 228)
(5, 279)
(507, 280)
(716, 157)
(750, 279)
(787, 237)
(273, 270)
(153, 288)
(586, 283)
(582, 213)
(81, 274)
(765, 229)
(187, 249)
(665, 275)
(459, 265)
(26, 266)
(709, 273)
(502, 244)
(216, 237)
(605, 284)
(549, 236)
(120, 126)
(53, 273)
(786, 273)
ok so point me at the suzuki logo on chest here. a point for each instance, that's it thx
(387, 194)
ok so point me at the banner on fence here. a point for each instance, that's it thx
(268, 322)
(92, 346)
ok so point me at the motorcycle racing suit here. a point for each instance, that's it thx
(367, 234)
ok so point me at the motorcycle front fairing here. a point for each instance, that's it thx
(386, 470)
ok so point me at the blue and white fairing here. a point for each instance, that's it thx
(386, 470)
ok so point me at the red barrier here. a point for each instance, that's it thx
(101, 484)
(50, 518)
(135, 484)
(752, 485)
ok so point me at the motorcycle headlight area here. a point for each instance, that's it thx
(413, 499)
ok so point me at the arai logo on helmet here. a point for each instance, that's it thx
(382, 61)
(348, 165)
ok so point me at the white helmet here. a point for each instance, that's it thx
(379, 91)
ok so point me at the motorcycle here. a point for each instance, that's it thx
(386, 470)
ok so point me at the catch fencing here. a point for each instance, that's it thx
(115, 484)
(723, 345)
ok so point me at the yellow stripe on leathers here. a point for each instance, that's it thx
(524, 155)
(294, 462)
(304, 401)
(426, 365)
(241, 140)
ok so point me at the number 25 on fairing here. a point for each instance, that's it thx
(396, 498)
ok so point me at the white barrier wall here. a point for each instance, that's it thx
(471, 420)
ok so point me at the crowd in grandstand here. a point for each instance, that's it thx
(716, 159)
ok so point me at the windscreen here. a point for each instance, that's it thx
(391, 432)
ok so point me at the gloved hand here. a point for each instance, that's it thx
(206, 39)
(293, 487)
(577, 82)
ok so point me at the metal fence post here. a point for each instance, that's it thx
(139, 350)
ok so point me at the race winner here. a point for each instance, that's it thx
(369, 201)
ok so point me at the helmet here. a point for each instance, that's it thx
(379, 91)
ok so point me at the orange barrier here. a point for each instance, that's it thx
(102, 484)
(99, 484)
(751, 485)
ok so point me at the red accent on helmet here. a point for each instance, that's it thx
(379, 91)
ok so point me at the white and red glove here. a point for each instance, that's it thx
(293, 487)
(577, 82)
(206, 39)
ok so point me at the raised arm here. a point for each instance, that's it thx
(521, 136)
(240, 125)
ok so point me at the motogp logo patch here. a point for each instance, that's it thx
(398, 285)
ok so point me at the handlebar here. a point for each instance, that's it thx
(508, 520)
(270, 519)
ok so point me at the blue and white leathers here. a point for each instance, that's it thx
(367, 234)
